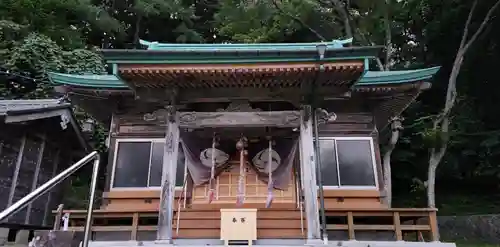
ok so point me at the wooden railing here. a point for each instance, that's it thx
(193, 223)
(397, 220)
(351, 221)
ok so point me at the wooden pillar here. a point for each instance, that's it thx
(434, 226)
(166, 212)
(308, 167)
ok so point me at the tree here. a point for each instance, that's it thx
(62, 21)
(35, 55)
(176, 11)
(441, 124)
(396, 129)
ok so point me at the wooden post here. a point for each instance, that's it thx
(350, 226)
(48, 210)
(308, 167)
(35, 177)
(397, 226)
(135, 226)
(434, 226)
(16, 171)
(59, 215)
(166, 213)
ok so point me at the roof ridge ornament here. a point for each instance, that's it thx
(339, 43)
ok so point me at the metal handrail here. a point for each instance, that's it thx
(23, 202)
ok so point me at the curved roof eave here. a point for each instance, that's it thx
(90, 81)
(370, 78)
(374, 78)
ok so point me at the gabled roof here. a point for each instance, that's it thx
(14, 111)
(165, 53)
(370, 78)
(248, 47)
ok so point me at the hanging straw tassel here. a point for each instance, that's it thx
(211, 191)
(270, 185)
(240, 197)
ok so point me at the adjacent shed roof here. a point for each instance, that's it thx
(16, 107)
(15, 111)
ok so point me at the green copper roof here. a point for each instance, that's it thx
(94, 81)
(335, 44)
(370, 78)
(397, 76)
(163, 53)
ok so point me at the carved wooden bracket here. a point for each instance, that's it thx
(158, 115)
(396, 123)
(65, 120)
(161, 115)
(325, 117)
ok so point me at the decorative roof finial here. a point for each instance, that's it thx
(339, 43)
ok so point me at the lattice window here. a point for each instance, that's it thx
(254, 189)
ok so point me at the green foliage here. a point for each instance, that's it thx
(60, 20)
(35, 55)
(174, 9)
(275, 21)
(81, 61)
(182, 13)
(255, 21)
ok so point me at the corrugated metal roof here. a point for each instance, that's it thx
(10, 109)
(12, 106)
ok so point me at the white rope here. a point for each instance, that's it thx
(240, 196)
(301, 217)
(185, 184)
(270, 174)
(183, 193)
(242, 177)
(270, 160)
(299, 201)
